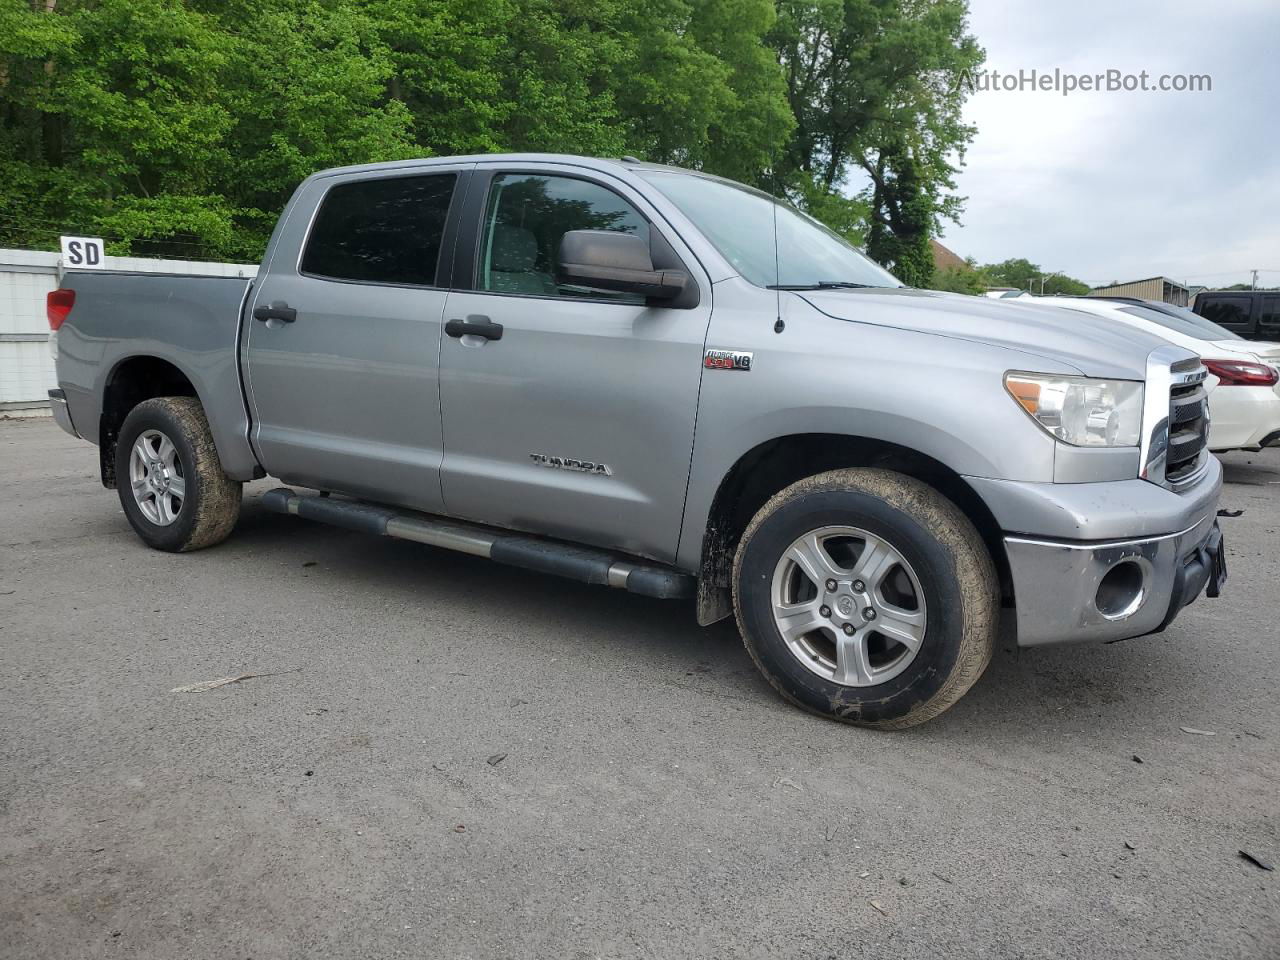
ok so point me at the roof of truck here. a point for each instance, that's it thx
(596, 163)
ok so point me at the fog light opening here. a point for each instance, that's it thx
(1121, 591)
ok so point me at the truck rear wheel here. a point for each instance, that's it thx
(169, 478)
(866, 596)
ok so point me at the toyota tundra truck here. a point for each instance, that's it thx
(658, 380)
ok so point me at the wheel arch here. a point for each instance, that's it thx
(130, 381)
(779, 462)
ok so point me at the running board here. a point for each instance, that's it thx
(517, 550)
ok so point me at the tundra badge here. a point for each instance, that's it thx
(569, 463)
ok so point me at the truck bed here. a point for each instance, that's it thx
(191, 322)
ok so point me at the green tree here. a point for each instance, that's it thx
(106, 108)
(1059, 284)
(1022, 273)
(970, 279)
(1017, 272)
(677, 81)
(180, 128)
(902, 218)
(875, 88)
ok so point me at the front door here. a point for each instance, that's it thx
(342, 351)
(578, 422)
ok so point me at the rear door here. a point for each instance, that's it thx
(342, 351)
(578, 422)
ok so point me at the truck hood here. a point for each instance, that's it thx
(1093, 345)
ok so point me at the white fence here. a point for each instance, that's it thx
(26, 369)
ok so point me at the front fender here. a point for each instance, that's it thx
(935, 395)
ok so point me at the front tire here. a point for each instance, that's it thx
(866, 596)
(169, 478)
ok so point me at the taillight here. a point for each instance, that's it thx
(58, 305)
(1237, 373)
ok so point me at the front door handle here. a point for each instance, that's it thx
(476, 325)
(277, 311)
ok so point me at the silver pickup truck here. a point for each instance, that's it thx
(657, 380)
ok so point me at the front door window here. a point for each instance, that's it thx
(525, 219)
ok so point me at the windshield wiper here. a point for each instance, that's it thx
(821, 285)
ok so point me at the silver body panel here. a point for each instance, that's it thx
(1111, 510)
(605, 382)
(1056, 584)
(191, 322)
(364, 395)
(61, 413)
(349, 398)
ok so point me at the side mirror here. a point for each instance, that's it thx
(609, 260)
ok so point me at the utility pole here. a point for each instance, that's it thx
(1255, 280)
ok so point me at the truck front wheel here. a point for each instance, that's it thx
(866, 596)
(169, 478)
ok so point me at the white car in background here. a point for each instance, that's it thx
(1244, 375)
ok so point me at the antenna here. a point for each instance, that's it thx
(778, 324)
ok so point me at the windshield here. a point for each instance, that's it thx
(1186, 323)
(740, 223)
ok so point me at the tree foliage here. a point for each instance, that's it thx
(179, 127)
(1025, 275)
(967, 279)
(1017, 272)
(875, 89)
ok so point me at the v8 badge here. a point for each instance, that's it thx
(727, 360)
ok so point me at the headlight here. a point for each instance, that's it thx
(1081, 411)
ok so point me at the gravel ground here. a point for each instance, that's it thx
(448, 758)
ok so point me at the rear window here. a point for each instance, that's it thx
(1229, 312)
(381, 231)
(1184, 322)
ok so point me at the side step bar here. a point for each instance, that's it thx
(514, 549)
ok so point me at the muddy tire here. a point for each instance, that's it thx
(866, 596)
(169, 478)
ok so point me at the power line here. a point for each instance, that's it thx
(1229, 273)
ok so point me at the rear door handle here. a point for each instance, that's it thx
(476, 325)
(277, 311)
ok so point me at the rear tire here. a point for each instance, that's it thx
(169, 478)
(866, 596)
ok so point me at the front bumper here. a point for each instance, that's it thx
(1073, 592)
(61, 413)
(1064, 540)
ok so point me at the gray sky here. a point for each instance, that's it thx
(1124, 185)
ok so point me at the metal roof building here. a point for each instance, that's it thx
(1153, 288)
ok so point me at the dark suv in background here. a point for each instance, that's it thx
(1252, 314)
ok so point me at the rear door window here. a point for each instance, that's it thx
(381, 231)
(1230, 312)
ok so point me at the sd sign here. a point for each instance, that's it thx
(81, 252)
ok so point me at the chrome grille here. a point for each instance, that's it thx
(1188, 431)
(1173, 449)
